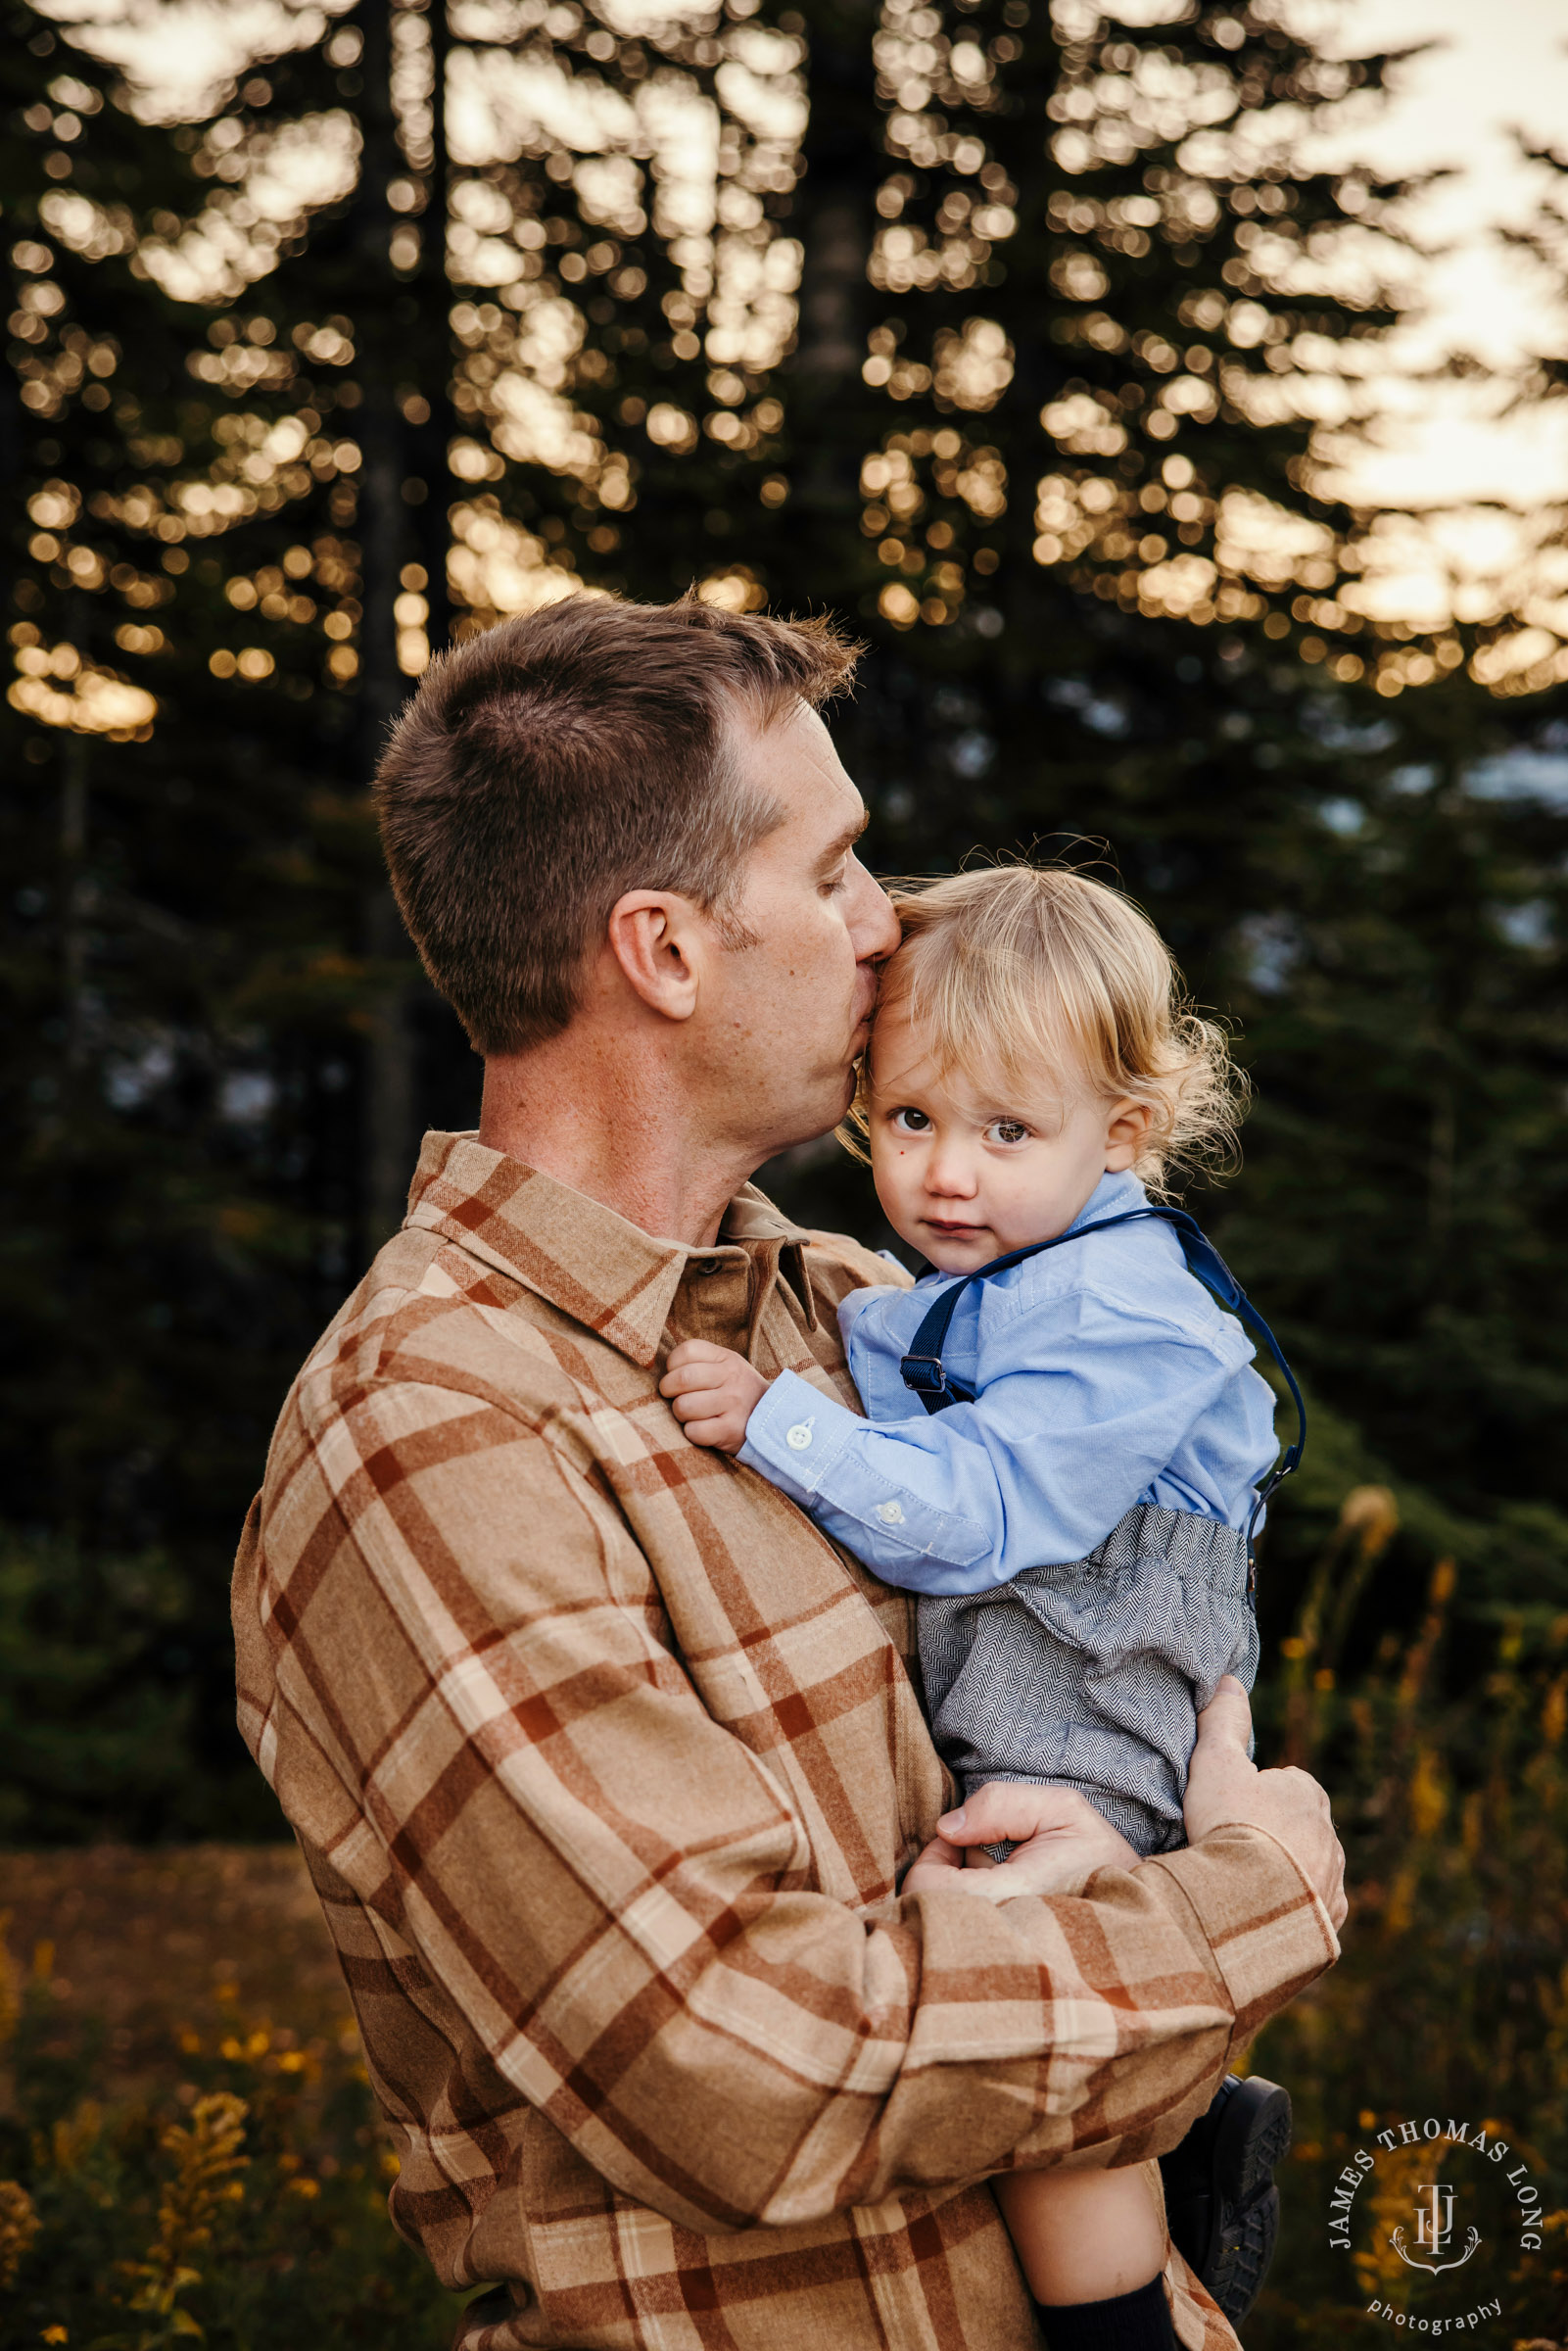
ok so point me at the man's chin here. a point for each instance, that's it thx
(815, 1127)
(846, 1096)
(824, 1100)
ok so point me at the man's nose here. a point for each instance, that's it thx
(873, 925)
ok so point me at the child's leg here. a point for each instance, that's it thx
(1082, 2237)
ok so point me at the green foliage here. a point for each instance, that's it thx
(241, 2203)
(1451, 1993)
(104, 1667)
(1402, 1203)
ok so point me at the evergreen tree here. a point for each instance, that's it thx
(992, 329)
(153, 1259)
(190, 856)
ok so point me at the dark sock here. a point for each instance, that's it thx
(1135, 2322)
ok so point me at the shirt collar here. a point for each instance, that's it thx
(604, 1271)
(1112, 1196)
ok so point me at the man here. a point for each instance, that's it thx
(606, 1763)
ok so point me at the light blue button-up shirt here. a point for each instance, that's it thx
(1104, 1375)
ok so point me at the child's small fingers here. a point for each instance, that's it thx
(719, 1433)
(695, 1403)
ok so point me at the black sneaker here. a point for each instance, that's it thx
(1220, 2199)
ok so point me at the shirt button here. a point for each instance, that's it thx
(798, 1437)
(891, 1513)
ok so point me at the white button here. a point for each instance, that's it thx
(798, 1437)
(891, 1513)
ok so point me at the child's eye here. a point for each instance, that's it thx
(910, 1121)
(1007, 1130)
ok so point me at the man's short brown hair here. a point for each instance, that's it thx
(559, 760)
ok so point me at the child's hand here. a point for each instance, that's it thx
(714, 1393)
(1059, 1838)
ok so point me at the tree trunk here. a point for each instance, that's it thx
(385, 544)
(74, 894)
(433, 439)
(834, 213)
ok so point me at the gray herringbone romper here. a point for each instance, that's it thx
(1092, 1675)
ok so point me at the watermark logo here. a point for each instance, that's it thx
(1423, 2200)
(1434, 2229)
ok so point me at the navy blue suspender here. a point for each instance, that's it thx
(923, 1372)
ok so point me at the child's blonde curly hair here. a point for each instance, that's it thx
(1024, 972)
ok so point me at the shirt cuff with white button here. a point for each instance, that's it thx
(794, 1434)
(813, 1450)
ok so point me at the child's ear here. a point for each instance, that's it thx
(1127, 1129)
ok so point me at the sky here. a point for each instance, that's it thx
(1490, 67)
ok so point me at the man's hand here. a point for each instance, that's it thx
(713, 1392)
(1225, 1785)
(1061, 1841)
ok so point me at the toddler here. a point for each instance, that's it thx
(1063, 1458)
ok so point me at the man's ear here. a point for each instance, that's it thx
(1127, 1129)
(655, 939)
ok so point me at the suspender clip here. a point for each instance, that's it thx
(922, 1370)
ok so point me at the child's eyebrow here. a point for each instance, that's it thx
(1039, 1113)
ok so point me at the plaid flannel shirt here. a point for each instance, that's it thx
(606, 1766)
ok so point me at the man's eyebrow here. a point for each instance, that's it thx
(846, 840)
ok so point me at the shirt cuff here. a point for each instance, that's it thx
(795, 1434)
(1269, 1933)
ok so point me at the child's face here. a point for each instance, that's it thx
(965, 1174)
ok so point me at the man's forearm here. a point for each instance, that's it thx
(985, 2037)
(1151, 1980)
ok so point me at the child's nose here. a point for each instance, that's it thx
(950, 1171)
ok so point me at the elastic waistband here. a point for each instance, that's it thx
(1183, 1542)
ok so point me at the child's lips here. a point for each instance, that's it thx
(951, 1232)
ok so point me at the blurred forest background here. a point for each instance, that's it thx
(1022, 336)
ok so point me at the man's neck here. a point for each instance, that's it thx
(599, 1121)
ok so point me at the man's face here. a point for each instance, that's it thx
(783, 1021)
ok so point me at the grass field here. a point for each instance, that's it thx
(188, 2146)
(146, 1943)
